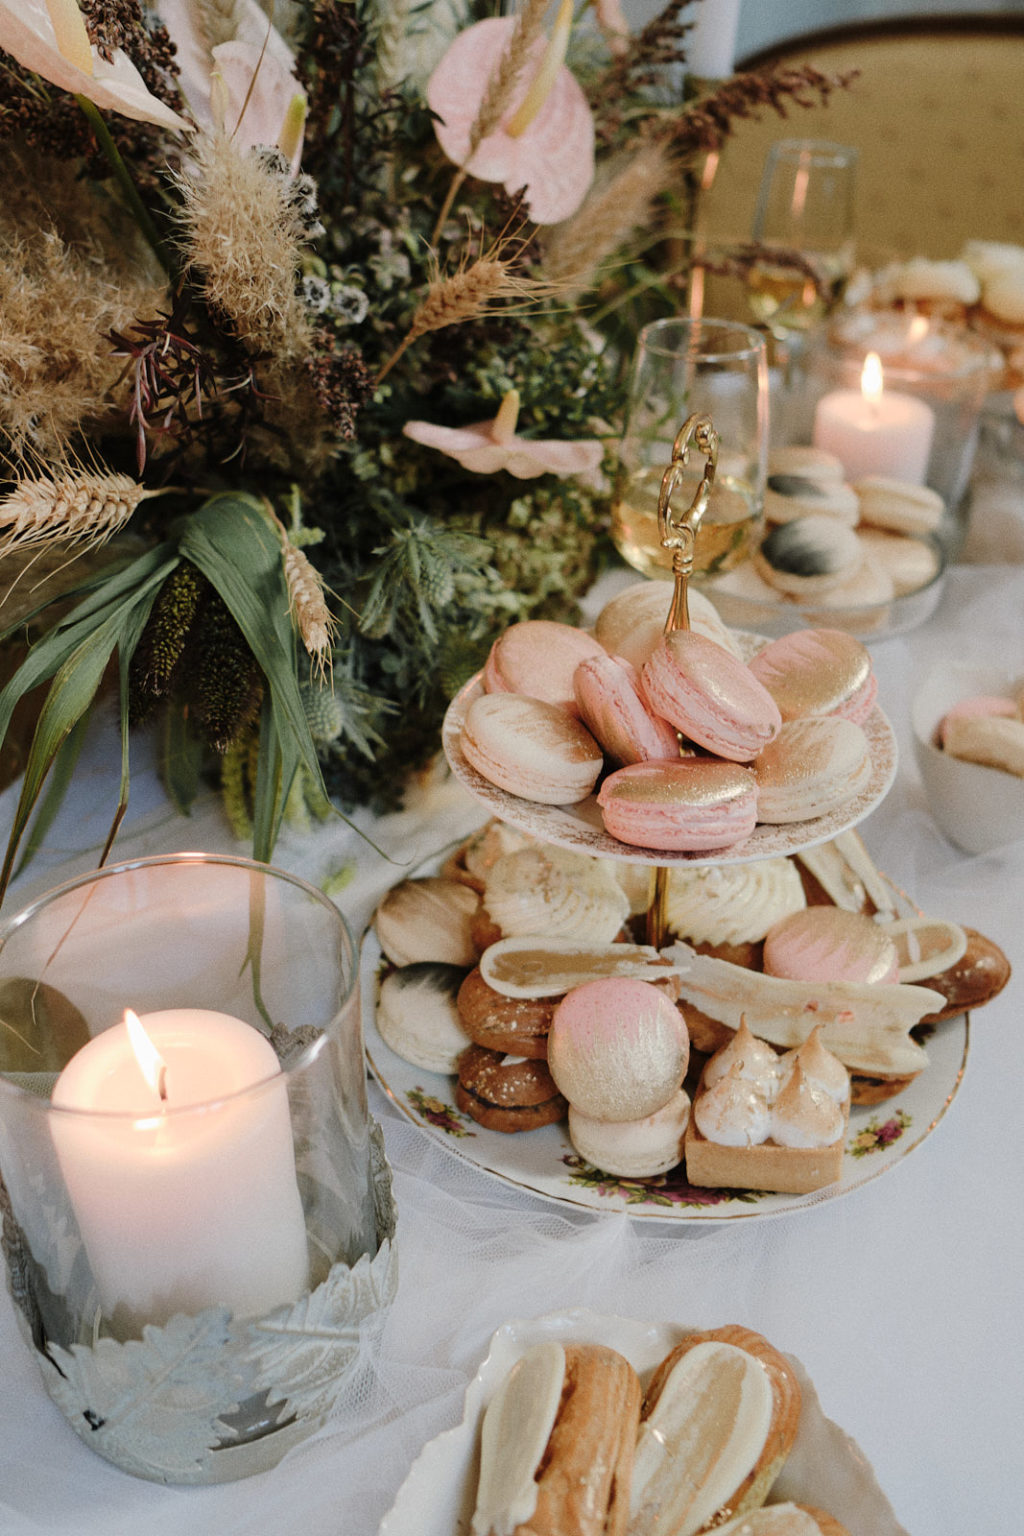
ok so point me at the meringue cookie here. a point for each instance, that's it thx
(734, 1113)
(804, 1115)
(555, 892)
(747, 1058)
(732, 903)
(820, 1068)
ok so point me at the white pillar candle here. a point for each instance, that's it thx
(183, 1186)
(875, 431)
(711, 41)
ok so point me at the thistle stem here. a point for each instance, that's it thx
(139, 211)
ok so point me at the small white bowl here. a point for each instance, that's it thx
(978, 808)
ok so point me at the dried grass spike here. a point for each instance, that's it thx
(78, 507)
(313, 618)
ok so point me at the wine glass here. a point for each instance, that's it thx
(805, 209)
(682, 366)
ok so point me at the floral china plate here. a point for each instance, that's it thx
(543, 1162)
(826, 1468)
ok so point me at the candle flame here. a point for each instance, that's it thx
(151, 1063)
(871, 378)
(917, 330)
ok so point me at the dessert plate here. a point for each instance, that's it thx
(580, 827)
(545, 1163)
(825, 1468)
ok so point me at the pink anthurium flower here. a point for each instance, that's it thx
(487, 446)
(49, 38)
(545, 141)
(246, 86)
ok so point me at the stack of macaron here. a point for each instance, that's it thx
(678, 735)
(618, 1050)
(836, 545)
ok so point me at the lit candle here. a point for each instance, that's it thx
(874, 431)
(711, 40)
(180, 1169)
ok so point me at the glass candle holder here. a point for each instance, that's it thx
(913, 416)
(719, 368)
(196, 1209)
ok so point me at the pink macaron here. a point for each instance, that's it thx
(530, 748)
(818, 672)
(618, 1048)
(539, 658)
(692, 805)
(830, 944)
(615, 712)
(709, 695)
(813, 767)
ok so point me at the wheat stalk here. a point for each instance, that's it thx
(218, 21)
(575, 250)
(313, 619)
(497, 94)
(467, 295)
(78, 507)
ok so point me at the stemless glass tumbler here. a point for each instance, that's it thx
(195, 1215)
(682, 366)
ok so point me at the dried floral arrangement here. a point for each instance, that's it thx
(309, 361)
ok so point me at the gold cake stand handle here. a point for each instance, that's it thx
(678, 532)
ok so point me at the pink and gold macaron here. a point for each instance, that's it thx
(694, 805)
(818, 672)
(539, 658)
(709, 695)
(531, 748)
(618, 1048)
(616, 714)
(830, 944)
(813, 767)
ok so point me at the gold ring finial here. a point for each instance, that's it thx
(678, 530)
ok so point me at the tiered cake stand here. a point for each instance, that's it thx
(544, 1160)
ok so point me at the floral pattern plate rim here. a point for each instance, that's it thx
(580, 827)
(826, 1466)
(543, 1162)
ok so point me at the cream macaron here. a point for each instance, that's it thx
(530, 748)
(539, 657)
(813, 767)
(633, 1149)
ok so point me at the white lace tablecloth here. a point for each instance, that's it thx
(902, 1300)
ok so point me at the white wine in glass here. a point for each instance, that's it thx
(681, 366)
(805, 206)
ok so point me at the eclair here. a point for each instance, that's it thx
(557, 1444)
(719, 1419)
